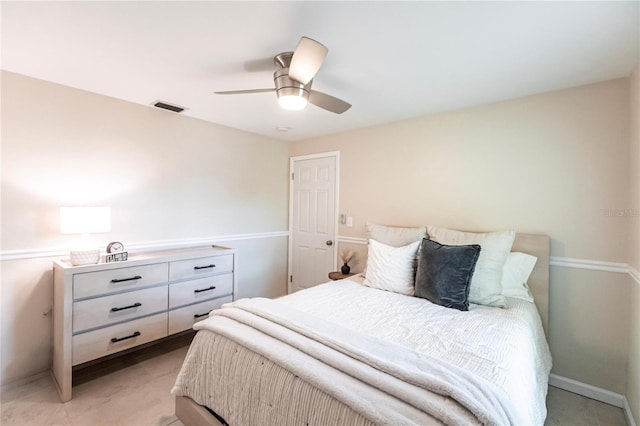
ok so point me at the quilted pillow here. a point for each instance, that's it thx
(486, 284)
(394, 236)
(515, 273)
(444, 273)
(391, 268)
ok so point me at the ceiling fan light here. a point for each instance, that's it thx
(292, 102)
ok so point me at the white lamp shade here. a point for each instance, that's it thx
(85, 220)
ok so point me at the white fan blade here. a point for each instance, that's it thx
(307, 60)
(328, 102)
(242, 92)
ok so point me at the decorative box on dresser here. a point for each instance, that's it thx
(106, 308)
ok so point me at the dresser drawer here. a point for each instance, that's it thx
(189, 292)
(101, 311)
(183, 318)
(98, 343)
(193, 268)
(115, 280)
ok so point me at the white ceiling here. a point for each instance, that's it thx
(391, 60)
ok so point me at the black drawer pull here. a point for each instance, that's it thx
(116, 339)
(200, 290)
(135, 305)
(204, 267)
(201, 315)
(115, 280)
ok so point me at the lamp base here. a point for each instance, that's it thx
(84, 257)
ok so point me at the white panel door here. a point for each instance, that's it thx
(313, 221)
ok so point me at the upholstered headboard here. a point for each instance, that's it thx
(538, 246)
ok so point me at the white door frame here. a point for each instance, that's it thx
(292, 160)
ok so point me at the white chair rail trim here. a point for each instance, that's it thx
(596, 265)
(634, 274)
(352, 240)
(143, 246)
(563, 262)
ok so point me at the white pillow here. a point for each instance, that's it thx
(395, 236)
(392, 268)
(486, 283)
(515, 273)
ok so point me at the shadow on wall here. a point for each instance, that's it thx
(579, 338)
(262, 266)
(27, 322)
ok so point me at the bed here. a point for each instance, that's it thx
(344, 353)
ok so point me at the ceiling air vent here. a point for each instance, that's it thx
(168, 107)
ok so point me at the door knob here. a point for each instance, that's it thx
(329, 242)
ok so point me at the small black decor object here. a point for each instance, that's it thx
(346, 256)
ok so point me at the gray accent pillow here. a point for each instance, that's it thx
(486, 285)
(444, 273)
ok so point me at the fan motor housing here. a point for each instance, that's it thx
(286, 86)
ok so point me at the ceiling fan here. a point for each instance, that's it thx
(293, 78)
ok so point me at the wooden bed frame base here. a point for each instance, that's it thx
(191, 413)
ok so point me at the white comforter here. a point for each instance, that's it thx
(493, 362)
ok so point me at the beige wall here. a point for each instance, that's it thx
(555, 163)
(166, 177)
(634, 170)
(633, 377)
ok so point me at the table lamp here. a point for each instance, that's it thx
(85, 221)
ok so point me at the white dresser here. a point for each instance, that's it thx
(109, 307)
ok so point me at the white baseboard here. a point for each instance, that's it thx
(23, 381)
(628, 414)
(589, 391)
(594, 392)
